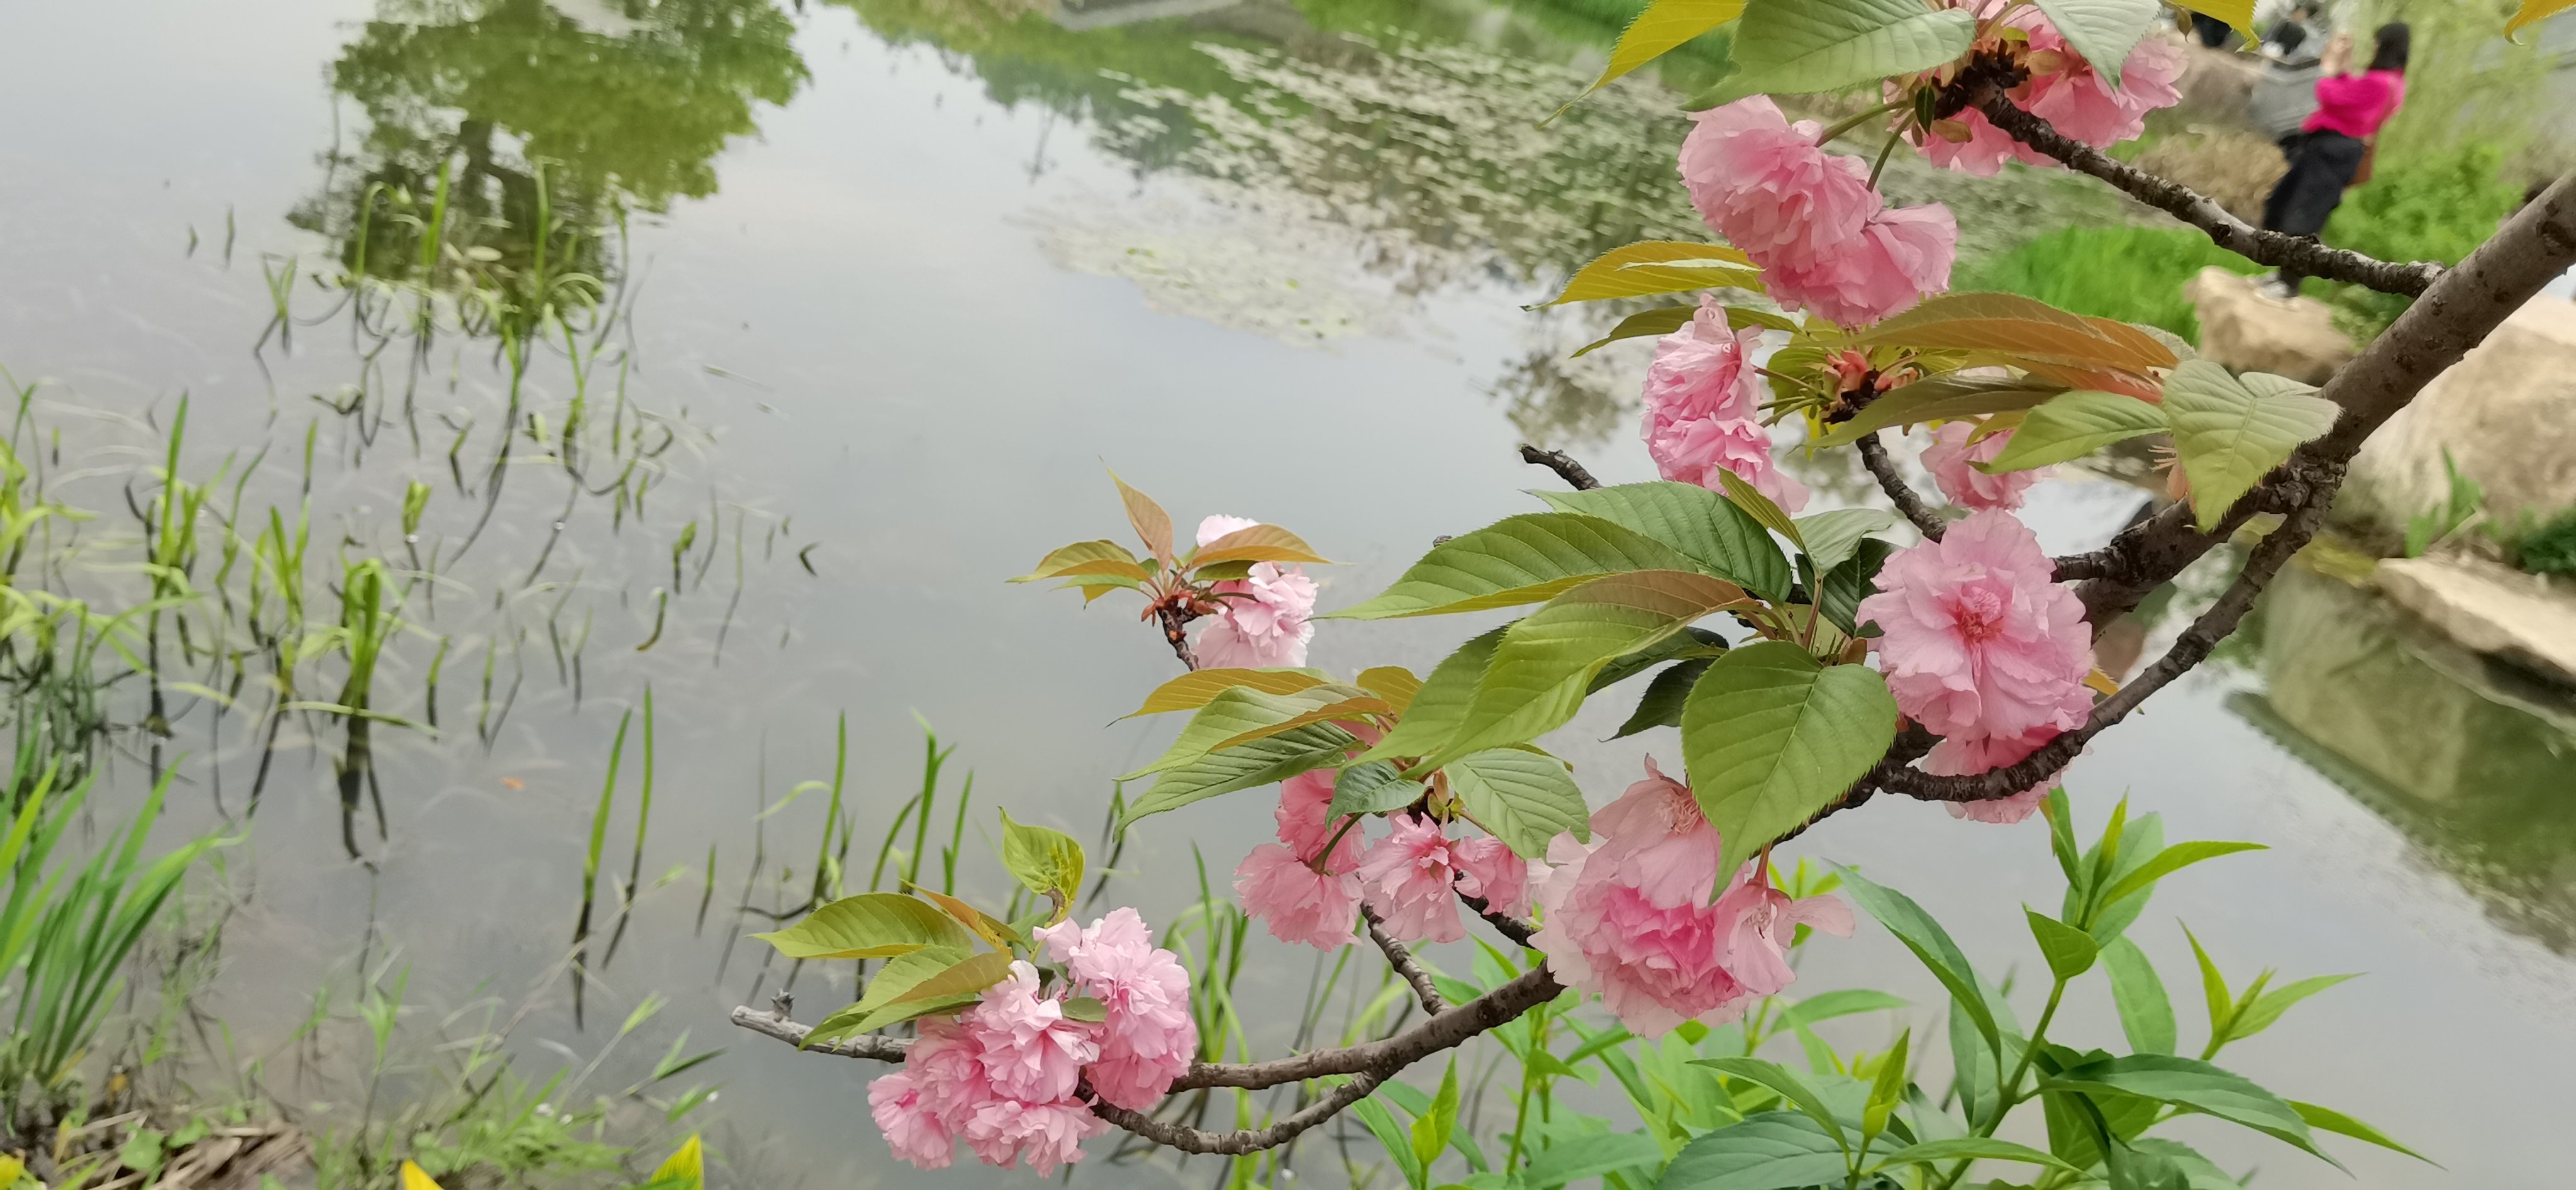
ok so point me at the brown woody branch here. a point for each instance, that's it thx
(2300, 253)
(1403, 962)
(1926, 519)
(1563, 464)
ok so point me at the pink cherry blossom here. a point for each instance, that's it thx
(1765, 185)
(1952, 460)
(1629, 917)
(2081, 103)
(1896, 258)
(1964, 756)
(1977, 641)
(922, 1107)
(912, 1130)
(1409, 875)
(1756, 923)
(1041, 1136)
(1296, 902)
(1489, 871)
(1262, 620)
(1695, 451)
(1148, 1036)
(1305, 822)
(1703, 370)
(1030, 1050)
(1985, 151)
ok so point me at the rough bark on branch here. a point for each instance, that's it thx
(1926, 519)
(1563, 464)
(2299, 253)
(1402, 960)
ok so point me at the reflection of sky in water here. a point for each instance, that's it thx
(919, 349)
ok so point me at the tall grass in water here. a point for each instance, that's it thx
(66, 930)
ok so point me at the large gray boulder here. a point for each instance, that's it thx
(2507, 416)
(2524, 619)
(2253, 332)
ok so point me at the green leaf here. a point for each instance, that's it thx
(1575, 1159)
(1658, 266)
(1372, 788)
(1768, 1151)
(1704, 526)
(2213, 989)
(1804, 46)
(1441, 705)
(1932, 945)
(1770, 737)
(1087, 1009)
(2179, 1161)
(967, 976)
(1243, 714)
(869, 926)
(1392, 683)
(1431, 1130)
(2167, 862)
(1256, 543)
(1522, 798)
(1758, 506)
(2191, 1083)
(1970, 1148)
(1791, 1089)
(1088, 559)
(1661, 704)
(2070, 952)
(2019, 330)
(1045, 861)
(1528, 558)
(1662, 320)
(1546, 662)
(1689, 644)
(1392, 1137)
(1833, 537)
(2073, 425)
(2230, 430)
(1197, 688)
(2146, 1014)
(1887, 1089)
(1659, 30)
(877, 1008)
(1839, 595)
(2103, 31)
(2269, 1006)
(1940, 398)
(1265, 761)
(1825, 1006)
(2142, 839)
(2327, 1119)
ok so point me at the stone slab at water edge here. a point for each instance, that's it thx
(2526, 619)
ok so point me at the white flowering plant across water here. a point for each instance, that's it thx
(1809, 662)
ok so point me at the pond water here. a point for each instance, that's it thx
(888, 283)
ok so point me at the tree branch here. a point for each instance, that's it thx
(1241, 1140)
(1926, 519)
(2300, 253)
(871, 1046)
(1520, 932)
(1563, 464)
(1445, 1029)
(1403, 961)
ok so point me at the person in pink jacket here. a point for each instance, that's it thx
(2332, 144)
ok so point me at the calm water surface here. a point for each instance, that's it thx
(897, 280)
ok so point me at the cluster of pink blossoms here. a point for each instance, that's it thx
(1631, 916)
(1410, 878)
(1701, 400)
(1824, 237)
(1002, 1076)
(1981, 647)
(1264, 618)
(1952, 459)
(2064, 90)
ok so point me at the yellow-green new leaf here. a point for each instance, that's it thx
(965, 978)
(1805, 46)
(1394, 683)
(685, 1169)
(2239, 14)
(1720, 537)
(1521, 798)
(874, 1008)
(1940, 398)
(2230, 430)
(2016, 327)
(1045, 861)
(1262, 762)
(2073, 425)
(1659, 30)
(1242, 714)
(1441, 705)
(1658, 266)
(1088, 559)
(1770, 737)
(869, 926)
(1257, 543)
(2531, 13)
(1662, 320)
(1528, 558)
(1197, 688)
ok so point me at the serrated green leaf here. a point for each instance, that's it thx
(1758, 506)
(2072, 425)
(872, 1011)
(967, 976)
(1660, 321)
(1546, 662)
(1661, 704)
(1941, 398)
(1685, 645)
(1255, 543)
(1440, 706)
(2229, 431)
(1767, 1151)
(1770, 737)
(869, 926)
(1372, 788)
(2019, 330)
(1045, 861)
(1194, 689)
(1659, 30)
(1264, 761)
(1658, 266)
(2070, 952)
(1393, 683)
(1704, 526)
(2146, 1014)
(2167, 862)
(1833, 537)
(1088, 559)
(1521, 798)
(1971, 1148)
(2327, 1119)
(1528, 558)
(1804, 46)
(2192, 1083)
(1839, 595)
(1240, 714)
(2103, 31)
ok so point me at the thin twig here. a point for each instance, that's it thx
(1403, 961)
(1520, 932)
(1563, 464)
(1926, 519)
(2301, 253)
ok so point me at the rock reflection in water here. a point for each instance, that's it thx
(2473, 761)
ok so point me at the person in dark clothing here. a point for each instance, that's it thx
(2213, 32)
(2334, 141)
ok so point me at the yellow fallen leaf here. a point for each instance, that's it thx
(686, 1168)
(416, 1178)
(2103, 683)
